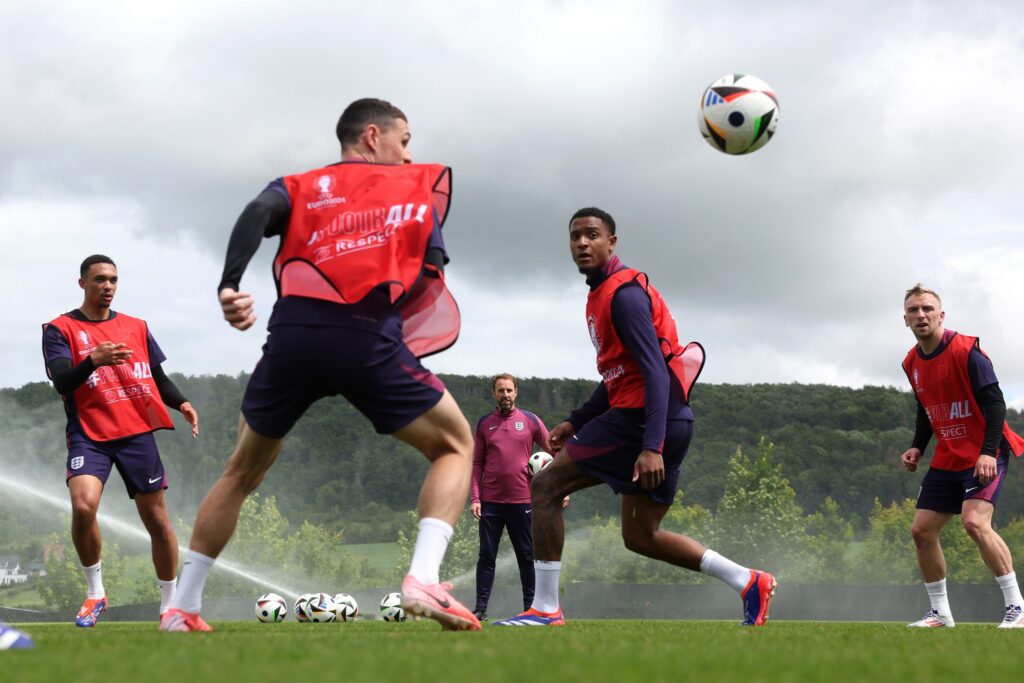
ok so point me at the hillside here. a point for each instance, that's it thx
(335, 470)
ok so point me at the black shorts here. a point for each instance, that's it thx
(607, 447)
(946, 490)
(301, 364)
(135, 457)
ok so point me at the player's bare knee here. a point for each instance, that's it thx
(976, 527)
(544, 489)
(83, 509)
(161, 531)
(923, 535)
(637, 539)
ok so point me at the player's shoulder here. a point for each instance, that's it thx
(127, 318)
(483, 419)
(531, 416)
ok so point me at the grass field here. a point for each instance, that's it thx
(582, 651)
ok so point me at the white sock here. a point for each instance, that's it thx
(166, 593)
(1011, 591)
(545, 596)
(94, 579)
(725, 569)
(939, 599)
(431, 544)
(189, 595)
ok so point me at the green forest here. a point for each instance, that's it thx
(805, 478)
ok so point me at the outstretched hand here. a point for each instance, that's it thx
(237, 308)
(191, 416)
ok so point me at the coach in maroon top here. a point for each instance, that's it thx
(500, 489)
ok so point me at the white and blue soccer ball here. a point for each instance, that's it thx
(320, 608)
(271, 608)
(300, 607)
(391, 607)
(345, 607)
(538, 461)
(738, 114)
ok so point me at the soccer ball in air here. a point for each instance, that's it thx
(738, 114)
(320, 608)
(345, 607)
(300, 606)
(538, 461)
(391, 607)
(271, 608)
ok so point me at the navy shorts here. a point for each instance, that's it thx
(302, 364)
(136, 458)
(607, 448)
(946, 491)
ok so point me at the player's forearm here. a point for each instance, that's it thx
(169, 392)
(993, 407)
(262, 217)
(632, 318)
(922, 430)
(66, 378)
(595, 405)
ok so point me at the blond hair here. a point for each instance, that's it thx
(919, 289)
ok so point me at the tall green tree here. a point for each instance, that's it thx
(758, 522)
(824, 551)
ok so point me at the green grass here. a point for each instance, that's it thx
(382, 557)
(24, 595)
(677, 651)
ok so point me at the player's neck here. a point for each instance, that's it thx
(506, 413)
(94, 312)
(932, 341)
(357, 154)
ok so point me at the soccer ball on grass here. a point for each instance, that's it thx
(391, 607)
(345, 607)
(271, 608)
(320, 608)
(299, 608)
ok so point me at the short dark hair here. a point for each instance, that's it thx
(90, 261)
(504, 375)
(594, 212)
(363, 112)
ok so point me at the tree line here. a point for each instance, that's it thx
(822, 498)
(831, 442)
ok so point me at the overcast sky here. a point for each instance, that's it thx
(141, 130)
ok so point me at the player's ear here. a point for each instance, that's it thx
(371, 135)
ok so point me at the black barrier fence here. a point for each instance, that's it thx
(970, 603)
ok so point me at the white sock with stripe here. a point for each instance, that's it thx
(725, 569)
(94, 580)
(1011, 591)
(938, 597)
(545, 596)
(431, 545)
(167, 590)
(189, 595)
